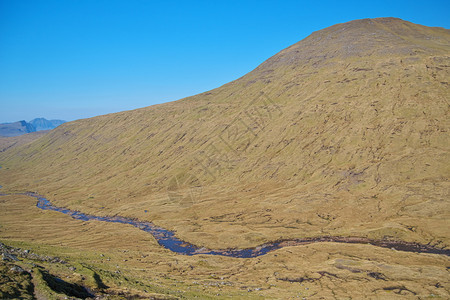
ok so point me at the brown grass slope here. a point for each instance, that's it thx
(343, 133)
(16, 141)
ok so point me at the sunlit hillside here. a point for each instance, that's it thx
(344, 133)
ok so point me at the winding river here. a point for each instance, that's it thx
(168, 240)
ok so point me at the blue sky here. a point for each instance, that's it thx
(71, 59)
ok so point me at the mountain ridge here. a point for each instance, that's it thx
(23, 127)
(44, 124)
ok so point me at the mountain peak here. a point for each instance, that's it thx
(44, 124)
(363, 38)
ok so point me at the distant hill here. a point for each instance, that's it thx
(23, 127)
(44, 124)
(16, 128)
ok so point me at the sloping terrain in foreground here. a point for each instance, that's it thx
(342, 134)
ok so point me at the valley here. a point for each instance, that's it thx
(330, 159)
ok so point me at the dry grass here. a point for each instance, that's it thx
(7, 143)
(353, 141)
(144, 267)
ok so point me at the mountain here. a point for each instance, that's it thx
(44, 124)
(355, 113)
(350, 122)
(23, 127)
(16, 128)
(344, 133)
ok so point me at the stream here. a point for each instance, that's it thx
(168, 240)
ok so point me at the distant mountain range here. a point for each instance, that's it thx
(23, 127)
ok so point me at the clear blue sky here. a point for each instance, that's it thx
(71, 59)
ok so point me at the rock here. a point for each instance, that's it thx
(17, 269)
(9, 257)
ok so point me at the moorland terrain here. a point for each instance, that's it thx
(343, 134)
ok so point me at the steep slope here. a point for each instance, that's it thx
(343, 133)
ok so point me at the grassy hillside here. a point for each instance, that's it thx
(15, 141)
(344, 133)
